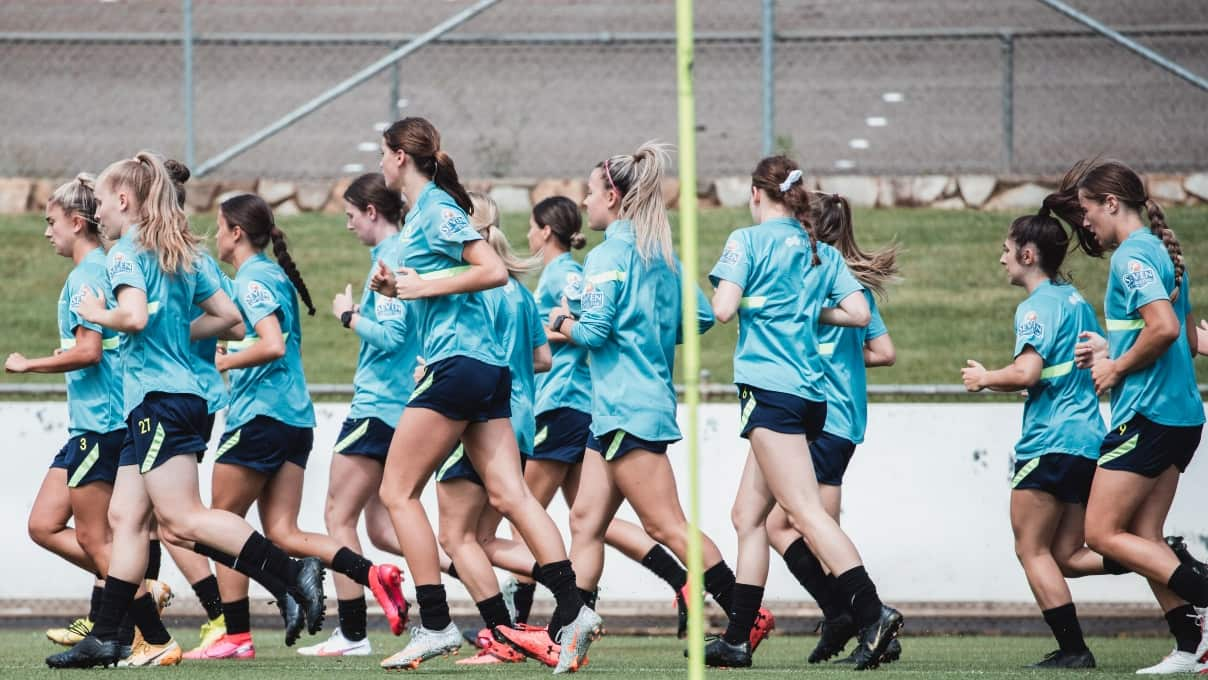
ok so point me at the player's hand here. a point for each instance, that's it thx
(563, 309)
(1091, 349)
(1105, 375)
(383, 281)
(92, 305)
(16, 363)
(1201, 333)
(342, 302)
(972, 375)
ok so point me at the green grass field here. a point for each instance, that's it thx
(22, 653)
(953, 303)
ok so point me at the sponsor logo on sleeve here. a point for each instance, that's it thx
(452, 222)
(1030, 328)
(1139, 276)
(257, 296)
(388, 308)
(120, 264)
(593, 298)
(731, 253)
(573, 289)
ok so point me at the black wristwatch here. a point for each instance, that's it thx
(557, 327)
(346, 319)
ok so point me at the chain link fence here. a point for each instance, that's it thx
(547, 88)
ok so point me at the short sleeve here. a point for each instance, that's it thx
(570, 286)
(876, 325)
(734, 265)
(450, 230)
(255, 299)
(535, 328)
(75, 294)
(1037, 325)
(843, 283)
(123, 269)
(208, 280)
(1139, 280)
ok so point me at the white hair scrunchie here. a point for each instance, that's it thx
(793, 178)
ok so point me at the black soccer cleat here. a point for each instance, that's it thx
(874, 639)
(1061, 659)
(1179, 547)
(89, 652)
(722, 654)
(308, 590)
(892, 653)
(295, 620)
(833, 635)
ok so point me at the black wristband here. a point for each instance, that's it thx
(346, 319)
(557, 327)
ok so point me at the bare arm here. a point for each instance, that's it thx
(1019, 375)
(726, 299)
(853, 311)
(485, 271)
(129, 316)
(543, 359)
(1160, 332)
(269, 347)
(221, 319)
(880, 352)
(86, 351)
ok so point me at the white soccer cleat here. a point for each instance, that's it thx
(1201, 652)
(338, 645)
(1175, 662)
(510, 586)
(424, 645)
(575, 637)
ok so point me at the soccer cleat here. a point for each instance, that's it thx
(575, 638)
(874, 639)
(722, 654)
(531, 641)
(87, 653)
(491, 651)
(1201, 652)
(425, 644)
(146, 654)
(161, 593)
(211, 631)
(1061, 659)
(338, 645)
(892, 653)
(1175, 662)
(384, 580)
(291, 614)
(1179, 547)
(764, 624)
(309, 592)
(833, 636)
(477, 638)
(508, 590)
(74, 632)
(681, 612)
(236, 646)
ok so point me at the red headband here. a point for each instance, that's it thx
(608, 175)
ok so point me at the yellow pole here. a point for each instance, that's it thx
(687, 208)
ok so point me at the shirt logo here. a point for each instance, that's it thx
(1075, 298)
(794, 242)
(257, 295)
(1031, 328)
(388, 308)
(1139, 276)
(120, 265)
(731, 253)
(592, 299)
(452, 222)
(573, 290)
(74, 303)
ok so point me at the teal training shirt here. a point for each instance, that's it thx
(203, 350)
(384, 377)
(94, 393)
(517, 323)
(568, 382)
(1061, 414)
(630, 326)
(842, 350)
(434, 234)
(160, 358)
(276, 389)
(1164, 391)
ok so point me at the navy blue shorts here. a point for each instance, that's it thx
(365, 437)
(91, 457)
(613, 445)
(265, 444)
(562, 435)
(1147, 448)
(456, 466)
(780, 412)
(209, 431)
(830, 455)
(461, 388)
(163, 426)
(1062, 475)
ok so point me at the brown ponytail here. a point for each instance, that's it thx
(832, 225)
(420, 140)
(773, 171)
(563, 218)
(1157, 225)
(253, 215)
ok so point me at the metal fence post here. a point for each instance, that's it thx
(395, 75)
(767, 40)
(1008, 100)
(186, 39)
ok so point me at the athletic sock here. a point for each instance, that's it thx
(858, 589)
(125, 631)
(115, 603)
(94, 604)
(352, 565)
(719, 582)
(589, 598)
(433, 607)
(1113, 567)
(806, 568)
(207, 592)
(1183, 626)
(1189, 585)
(665, 566)
(559, 577)
(154, 557)
(746, 601)
(452, 570)
(352, 618)
(238, 616)
(494, 612)
(261, 554)
(523, 600)
(146, 617)
(1063, 621)
(270, 582)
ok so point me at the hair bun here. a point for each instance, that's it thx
(179, 172)
(577, 240)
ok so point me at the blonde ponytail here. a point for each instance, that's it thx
(486, 222)
(639, 181)
(162, 225)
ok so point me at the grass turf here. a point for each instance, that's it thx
(953, 303)
(22, 653)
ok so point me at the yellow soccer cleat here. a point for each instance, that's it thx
(211, 631)
(73, 633)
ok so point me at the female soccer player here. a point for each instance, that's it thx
(80, 480)
(463, 395)
(776, 279)
(1156, 413)
(156, 283)
(845, 351)
(1062, 429)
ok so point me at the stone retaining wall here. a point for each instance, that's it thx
(949, 192)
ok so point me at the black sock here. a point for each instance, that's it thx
(115, 602)
(452, 570)
(806, 568)
(1113, 567)
(1063, 621)
(94, 605)
(666, 567)
(352, 565)
(560, 579)
(589, 597)
(1183, 626)
(260, 554)
(858, 589)
(146, 617)
(719, 582)
(207, 592)
(238, 616)
(494, 612)
(746, 602)
(1189, 585)
(536, 573)
(125, 632)
(433, 607)
(352, 618)
(154, 556)
(524, 601)
(270, 582)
